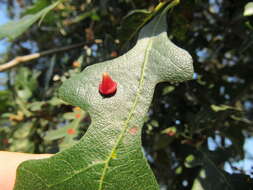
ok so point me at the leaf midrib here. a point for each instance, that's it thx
(130, 115)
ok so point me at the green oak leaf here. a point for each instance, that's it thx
(109, 156)
(13, 29)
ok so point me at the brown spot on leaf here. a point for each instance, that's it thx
(171, 133)
(78, 115)
(71, 131)
(76, 64)
(5, 141)
(133, 130)
(114, 54)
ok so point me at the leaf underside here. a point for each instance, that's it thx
(109, 155)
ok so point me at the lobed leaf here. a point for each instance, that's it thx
(109, 156)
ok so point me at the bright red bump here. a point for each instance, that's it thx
(107, 86)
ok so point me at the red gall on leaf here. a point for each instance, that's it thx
(107, 86)
(71, 131)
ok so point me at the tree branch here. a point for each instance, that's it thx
(22, 59)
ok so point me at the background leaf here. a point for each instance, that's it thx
(14, 29)
(211, 176)
(248, 9)
(132, 23)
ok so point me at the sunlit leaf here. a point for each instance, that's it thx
(248, 9)
(110, 156)
(217, 108)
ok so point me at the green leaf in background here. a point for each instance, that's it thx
(135, 20)
(248, 9)
(36, 7)
(36, 106)
(110, 156)
(5, 99)
(132, 23)
(217, 108)
(168, 90)
(20, 140)
(14, 29)
(68, 132)
(211, 176)
(26, 81)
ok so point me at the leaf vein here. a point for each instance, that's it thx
(76, 173)
(131, 113)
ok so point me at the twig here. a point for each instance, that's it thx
(22, 59)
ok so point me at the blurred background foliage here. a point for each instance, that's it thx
(197, 135)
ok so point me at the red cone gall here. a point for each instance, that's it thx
(107, 86)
